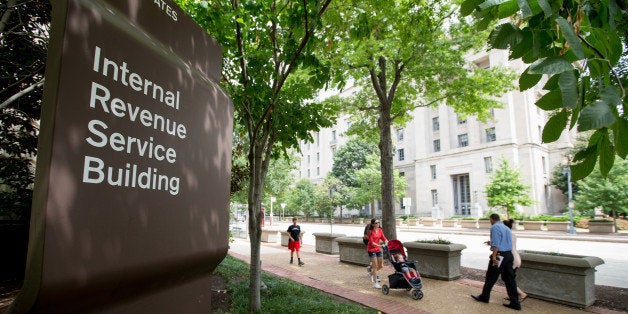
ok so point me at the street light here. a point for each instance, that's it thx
(272, 200)
(567, 172)
(283, 206)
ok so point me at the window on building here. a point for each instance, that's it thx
(543, 165)
(308, 160)
(399, 134)
(488, 164)
(333, 151)
(435, 124)
(433, 171)
(491, 112)
(436, 146)
(318, 171)
(402, 174)
(318, 139)
(333, 135)
(490, 134)
(540, 133)
(400, 153)
(318, 157)
(434, 198)
(308, 173)
(462, 120)
(463, 140)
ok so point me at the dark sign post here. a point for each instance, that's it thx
(131, 203)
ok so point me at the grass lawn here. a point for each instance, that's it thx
(283, 295)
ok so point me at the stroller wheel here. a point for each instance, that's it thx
(385, 289)
(417, 294)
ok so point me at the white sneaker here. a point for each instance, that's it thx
(377, 286)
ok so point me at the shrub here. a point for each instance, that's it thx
(435, 241)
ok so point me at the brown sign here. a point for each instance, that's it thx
(131, 201)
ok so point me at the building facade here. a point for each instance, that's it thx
(448, 159)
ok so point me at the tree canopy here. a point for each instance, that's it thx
(611, 192)
(506, 189)
(578, 46)
(404, 55)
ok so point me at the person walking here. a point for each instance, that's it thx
(501, 261)
(516, 264)
(294, 243)
(374, 249)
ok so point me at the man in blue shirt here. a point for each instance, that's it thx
(500, 263)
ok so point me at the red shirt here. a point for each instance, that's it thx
(375, 236)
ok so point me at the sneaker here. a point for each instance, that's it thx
(301, 263)
(377, 286)
(377, 278)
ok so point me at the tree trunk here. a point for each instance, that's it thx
(4, 21)
(386, 164)
(259, 158)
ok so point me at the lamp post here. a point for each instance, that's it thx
(272, 200)
(567, 172)
(283, 206)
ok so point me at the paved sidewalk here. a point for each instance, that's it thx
(328, 274)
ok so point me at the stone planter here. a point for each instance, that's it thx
(412, 221)
(450, 223)
(533, 225)
(601, 227)
(469, 224)
(568, 279)
(326, 242)
(439, 261)
(284, 238)
(398, 222)
(557, 225)
(428, 222)
(484, 224)
(352, 250)
(359, 221)
(270, 236)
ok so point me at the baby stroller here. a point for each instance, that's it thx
(400, 280)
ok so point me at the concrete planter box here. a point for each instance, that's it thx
(533, 225)
(601, 227)
(284, 238)
(469, 224)
(270, 235)
(359, 221)
(567, 279)
(484, 224)
(428, 222)
(439, 261)
(352, 250)
(412, 221)
(398, 222)
(326, 242)
(450, 223)
(557, 225)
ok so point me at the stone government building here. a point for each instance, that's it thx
(447, 160)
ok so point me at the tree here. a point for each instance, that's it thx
(280, 176)
(611, 192)
(578, 44)
(506, 190)
(404, 55)
(24, 29)
(349, 158)
(301, 198)
(369, 180)
(271, 72)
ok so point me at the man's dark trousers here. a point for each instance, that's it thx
(508, 276)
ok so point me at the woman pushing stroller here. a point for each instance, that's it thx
(374, 248)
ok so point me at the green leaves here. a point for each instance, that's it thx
(550, 65)
(555, 126)
(571, 37)
(577, 44)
